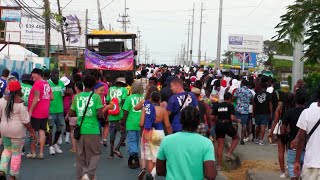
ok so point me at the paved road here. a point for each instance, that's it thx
(63, 167)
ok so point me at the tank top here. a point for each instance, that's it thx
(150, 117)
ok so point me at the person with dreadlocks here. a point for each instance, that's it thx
(14, 122)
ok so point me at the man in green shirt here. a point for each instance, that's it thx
(131, 120)
(193, 158)
(119, 91)
(56, 112)
(88, 146)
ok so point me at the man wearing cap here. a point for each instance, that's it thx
(56, 112)
(38, 107)
(117, 93)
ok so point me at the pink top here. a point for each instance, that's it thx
(41, 111)
(13, 127)
(67, 100)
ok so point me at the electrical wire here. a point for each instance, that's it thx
(107, 5)
(66, 5)
(254, 10)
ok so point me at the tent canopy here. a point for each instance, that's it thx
(16, 52)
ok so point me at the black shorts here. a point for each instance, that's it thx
(39, 124)
(223, 129)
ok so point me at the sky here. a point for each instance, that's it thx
(164, 24)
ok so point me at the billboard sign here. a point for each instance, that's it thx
(33, 31)
(250, 59)
(245, 43)
(11, 15)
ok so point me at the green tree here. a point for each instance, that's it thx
(228, 55)
(292, 27)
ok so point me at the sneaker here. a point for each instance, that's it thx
(85, 177)
(142, 173)
(261, 143)
(256, 141)
(57, 149)
(283, 175)
(60, 140)
(242, 142)
(31, 155)
(219, 168)
(104, 142)
(51, 150)
(149, 177)
(67, 140)
(247, 139)
(40, 156)
(46, 145)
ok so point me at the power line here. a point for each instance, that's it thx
(66, 5)
(107, 5)
(254, 10)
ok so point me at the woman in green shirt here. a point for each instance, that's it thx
(88, 146)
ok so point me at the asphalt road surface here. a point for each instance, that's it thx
(63, 166)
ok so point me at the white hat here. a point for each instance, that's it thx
(65, 81)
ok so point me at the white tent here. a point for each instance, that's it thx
(16, 52)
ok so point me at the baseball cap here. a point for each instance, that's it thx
(14, 86)
(37, 71)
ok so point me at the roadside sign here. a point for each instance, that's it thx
(245, 43)
(69, 60)
(10, 15)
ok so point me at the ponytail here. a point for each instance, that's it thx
(10, 103)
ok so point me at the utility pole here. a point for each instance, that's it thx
(187, 61)
(218, 59)
(146, 55)
(124, 17)
(99, 16)
(61, 29)
(86, 21)
(298, 64)
(191, 48)
(199, 52)
(47, 27)
(139, 45)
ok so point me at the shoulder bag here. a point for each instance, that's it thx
(312, 130)
(76, 130)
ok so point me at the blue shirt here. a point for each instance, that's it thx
(174, 104)
(3, 85)
(244, 97)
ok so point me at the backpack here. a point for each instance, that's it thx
(116, 110)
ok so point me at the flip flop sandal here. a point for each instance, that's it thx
(118, 153)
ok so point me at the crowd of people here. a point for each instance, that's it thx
(167, 117)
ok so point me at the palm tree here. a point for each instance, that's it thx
(292, 27)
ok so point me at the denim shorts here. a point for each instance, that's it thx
(291, 157)
(58, 120)
(244, 118)
(133, 138)
(114, 128)
(262, 120)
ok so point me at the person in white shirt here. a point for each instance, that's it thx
(307, 122)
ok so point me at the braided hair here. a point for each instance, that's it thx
(10, 103)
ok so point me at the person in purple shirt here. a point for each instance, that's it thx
(177, 102)
(3, 81)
